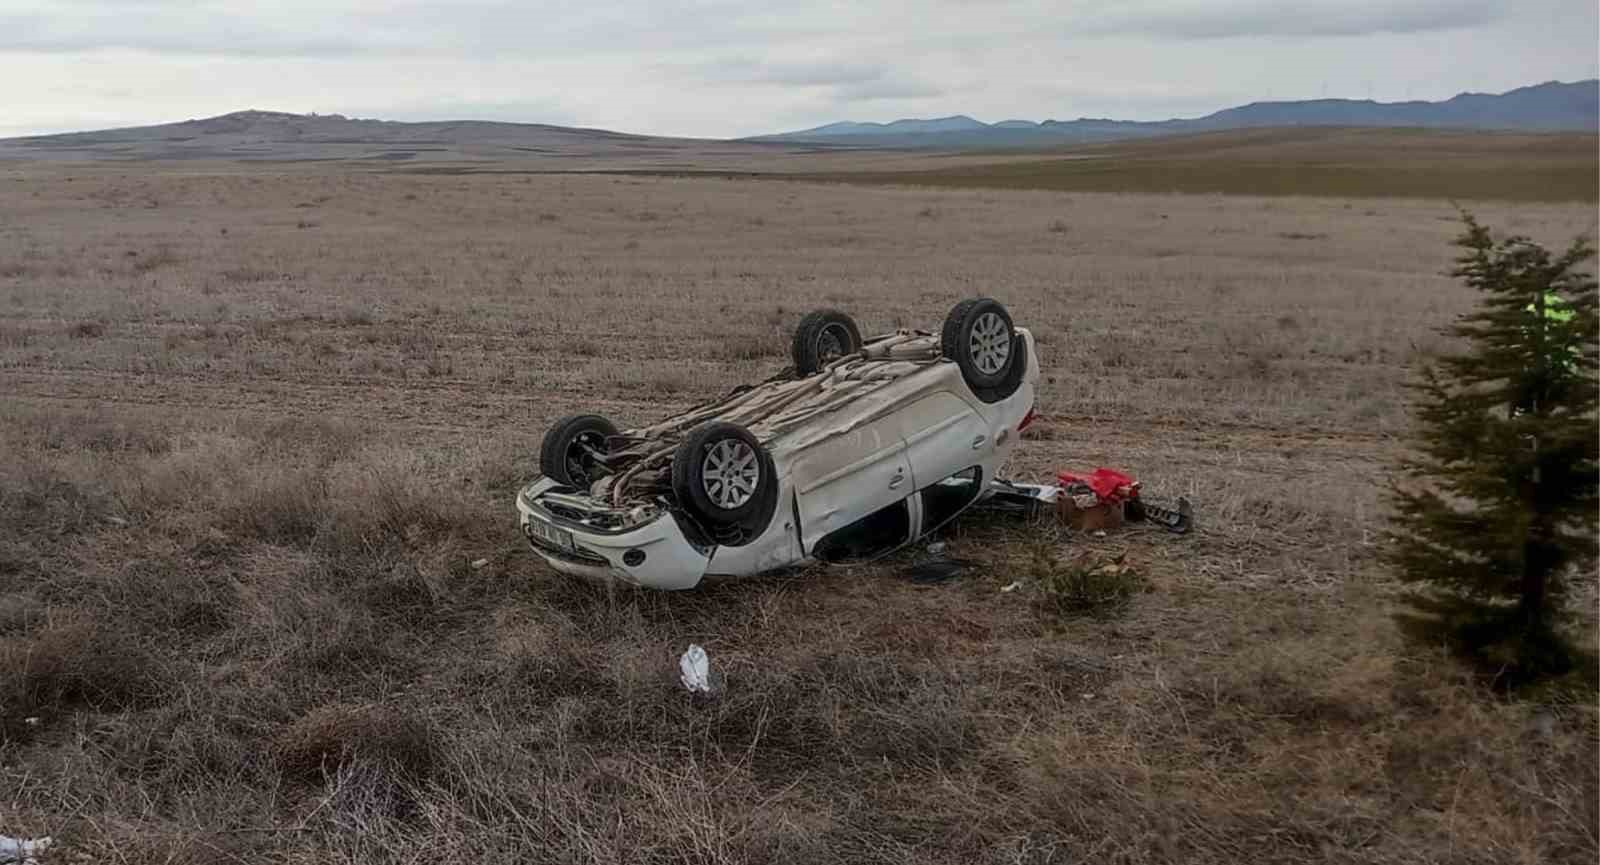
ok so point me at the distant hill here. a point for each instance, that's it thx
(1550, 107)
(276, 136)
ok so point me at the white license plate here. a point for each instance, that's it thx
(542, 531)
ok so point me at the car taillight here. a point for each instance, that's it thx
(1027, 419)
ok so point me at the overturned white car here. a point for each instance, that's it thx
(863, 447)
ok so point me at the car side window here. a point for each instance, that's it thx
(943, 499)
(875, 534)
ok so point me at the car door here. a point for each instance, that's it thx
(846, 477)
(943, 435)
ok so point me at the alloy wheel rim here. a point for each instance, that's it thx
(990, 344)
(730, 473)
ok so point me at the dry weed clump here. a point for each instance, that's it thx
(87, 330)
(72, 664)
(164, 255)
(743, 347)
(1089, 582)
(327, 739)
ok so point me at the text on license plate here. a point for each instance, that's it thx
(543, 532)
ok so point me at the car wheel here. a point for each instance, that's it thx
(724, 478)
(823, 337)
(570, 446)
(979, 337)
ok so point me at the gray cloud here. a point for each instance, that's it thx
(295, 28)
(887, 88)
(163, 29)
(743, 67)
(1216, 19)
(746, 70)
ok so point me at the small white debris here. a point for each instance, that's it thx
(119, 522)
(32, 721)
(478, 563)
(1099, 533)
(1087, 696)
(936, 547)
(1011, 586)
(696, 670)
(22, 850)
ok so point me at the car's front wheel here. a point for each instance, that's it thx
(725, 478)
(572, 448)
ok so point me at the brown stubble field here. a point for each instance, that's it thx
(258, 426)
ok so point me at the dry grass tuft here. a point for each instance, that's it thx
(164, 255)
(68, 665)
(741, 347)
(327, 740)
(1089, 582)
(87, 330)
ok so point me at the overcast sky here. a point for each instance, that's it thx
(719, 69)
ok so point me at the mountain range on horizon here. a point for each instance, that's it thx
(256, 135)
(1553, 106)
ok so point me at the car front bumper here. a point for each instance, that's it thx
(662, 558)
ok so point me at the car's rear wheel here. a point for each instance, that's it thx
(979, 337)
(725, 478)
(823, 337)
(571, 449)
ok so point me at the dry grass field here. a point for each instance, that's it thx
(262, 597)
(1322, 161)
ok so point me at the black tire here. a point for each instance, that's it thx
(563, 454)
(719, 505)
(979, 337)
(822, 337)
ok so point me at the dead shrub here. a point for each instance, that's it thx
(747, 346)
(405, 597)
(1088, 583)
(334, 736)
(87, 330)
(354, 318)
(287, 507)
(99, 432)
(75, 663)
(161, 256)
(248, 274)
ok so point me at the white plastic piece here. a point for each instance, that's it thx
(22, 850)
(1011, 586)
(478, 563)
(936, 548)
(695, 667)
